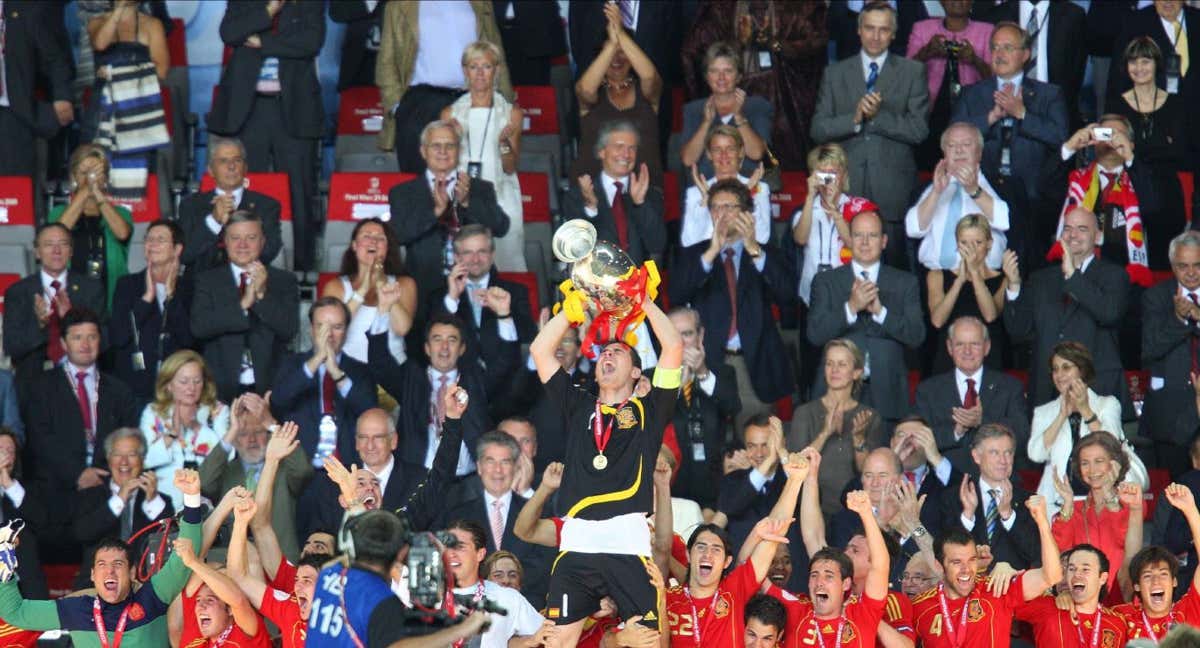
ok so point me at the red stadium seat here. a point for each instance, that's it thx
(324, 278)
(147, 209)
(356, 104)
(1187, 183)
(784, 408)
(16, 200)
(791, 197)
(530, 281)
(1159, 479)
(541, 109)
(177, 44)
(168, 109)
(672, 211)
(274, 185)
(60, 579)
(535, 197)
(6, 279)
(361, 192)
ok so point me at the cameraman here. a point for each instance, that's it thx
(356, 601)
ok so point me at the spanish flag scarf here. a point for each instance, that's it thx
(1083, 190)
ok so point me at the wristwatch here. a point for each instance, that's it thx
(977, 192)
(919, 531)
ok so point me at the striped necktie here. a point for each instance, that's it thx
(992, 514)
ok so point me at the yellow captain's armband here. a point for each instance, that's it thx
(668, 378)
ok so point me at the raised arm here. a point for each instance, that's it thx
(796, 468)
(671, 355)
(1130, 495)
(212, 525)
(244, 613)
(812, 523)
(1037, 580)
(542, 349)
(1181, 497)
(664, 531)
(769, 532)
(236, 561)
(529, 526)
(877, 577)
(281, 444)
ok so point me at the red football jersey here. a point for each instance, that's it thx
(898, 613)
(859, 624)
(716, 621)
(14, 637)
(1185, 610)
(593, 631)
(191, 637)
(1053, 627)
(283, 610)
(988, 618)
(285, 576)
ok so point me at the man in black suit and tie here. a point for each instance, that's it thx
(875, 306)
(957, 403)
(428, 210)
(1171, 25)
(990, 507)
(31, 54)
(619, 200)
(152, 311)
(1057, 44)
(324, 391)
(245, 313)
(419, 389)
(35, 305)
(1083, 299)
(707, 403)
(269, 96)
(476, 295)
(747, 495)
(734, 299)
(1171, 351)
(76, 409)
(202, 215)
(124, 504)
(487, 498)
(1023, 120)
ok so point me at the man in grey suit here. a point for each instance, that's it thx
(878, 308)
(957, 403)
(1023, 121)
(244, 313)
(875, 105)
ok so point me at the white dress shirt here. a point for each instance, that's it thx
(505, 503)
(152, 508)
(985, 500)
(209, 220)
(506, 326)
(930, 252)
(444, 28)
(873, 277)
(698, 223)
(960, 380)
(385, 473)
(607, 183)
(1041, 67)
(47, 291)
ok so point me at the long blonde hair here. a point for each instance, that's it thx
(163, 401)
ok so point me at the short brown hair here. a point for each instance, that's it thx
(1078, 355)
(1110, 444)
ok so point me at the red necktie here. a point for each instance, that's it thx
(328, 386)
(972, 397)
(85, 406)
(731, 286)
(911, 476)
(619, 217)
(54, 347)
(243, 283)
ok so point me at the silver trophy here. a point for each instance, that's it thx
(596, 267)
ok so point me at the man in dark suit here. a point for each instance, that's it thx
(1171, 351)
(360, 45)
(619, 200)
(269, 96)
(202, 215)
(876, 307)
(152, 311)
(1023, 121)
(324, 391)
(533, 36)
(429, 209)
(747, 495)
(707, 404)
(127, 501)
(927, 469)
(476, 295)
(1171, 25)
(1057, 44)
(245, 313)
(842, 21)
(1083, 299)
(487, 498)
(990, 507)
(876, 106)
(418, 389)
(734, 299)
(76, 409)
(35, 305)
(957, 403)
(32, 54)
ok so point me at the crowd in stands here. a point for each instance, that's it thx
(923, 368)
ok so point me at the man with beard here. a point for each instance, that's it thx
(1153, 570)
(140, 616)
(966, 610)
(1086, 623)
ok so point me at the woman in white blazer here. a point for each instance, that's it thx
(1050, 440)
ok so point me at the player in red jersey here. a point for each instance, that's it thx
(1151, 613)
(965, 610)
(709, 609)
(224, 616)
(1088, 624)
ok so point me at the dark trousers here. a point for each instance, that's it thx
(16, 145)
(420, 105)
(269, 147)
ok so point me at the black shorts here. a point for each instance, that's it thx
(579, 580)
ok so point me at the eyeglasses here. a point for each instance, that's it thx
(1006, 48)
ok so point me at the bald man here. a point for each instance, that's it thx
(881, 471)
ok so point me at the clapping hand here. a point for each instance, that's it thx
(639, 184)
(587, 191)
(462, 189)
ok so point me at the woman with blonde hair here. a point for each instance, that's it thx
(185, 421)
(972, 289)
(819, 226)
(491, 144)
